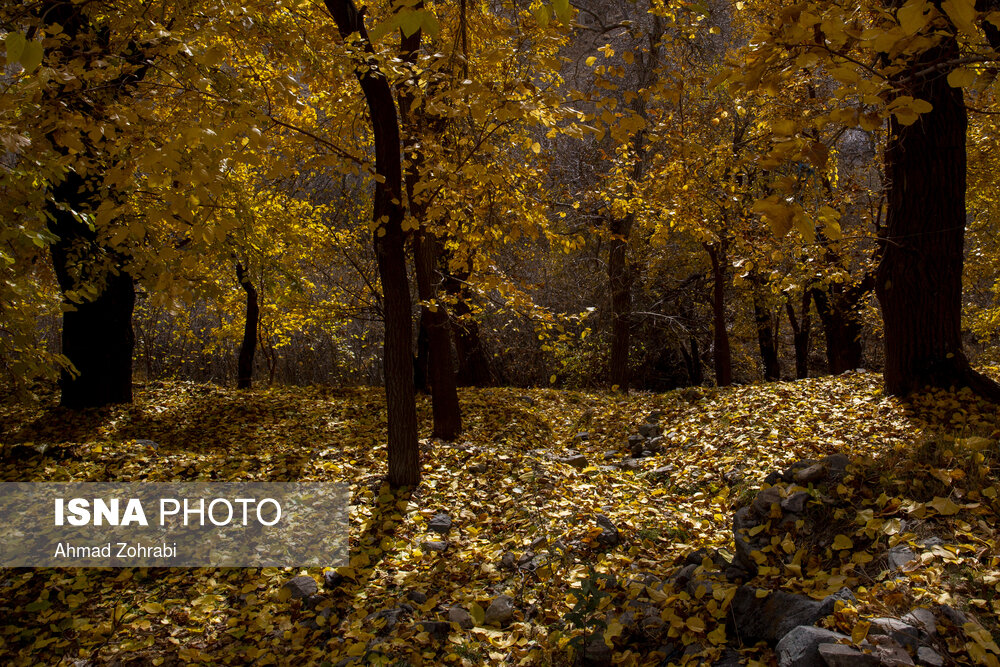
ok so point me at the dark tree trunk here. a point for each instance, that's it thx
(421, 381)
(692, 360)
(473, 365)
(447, 412)
(842, 327)
(723, 357)
(919, 279)
(801, 330)
(620, 283)
(244, 366)
(97, 335)
(767, 338)
(444, 392)
(389, 240)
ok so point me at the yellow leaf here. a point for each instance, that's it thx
(961, 78)
(913, 17)
(695, 624)
(842, 542)
(860, 631)
(536, 148)
(152, 608)
(944, 506)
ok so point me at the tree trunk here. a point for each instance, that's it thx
(421, 381)
(244, 367)
(97, 335)
(620, 282)
(801, 330)
(919, 279)
(692, 360)
(766, 339)
(444, 392)
(723, 356)
(446, 410)
(473, 364)
(390, 253)
(842, 328)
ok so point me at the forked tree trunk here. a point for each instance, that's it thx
(723, 356)
(389, 241)
(767, 338)
(248, 348)
(692, 361)
(842, 327)
(801, 330)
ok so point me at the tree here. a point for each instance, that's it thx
(389, 241)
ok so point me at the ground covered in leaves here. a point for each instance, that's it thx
(924, 468)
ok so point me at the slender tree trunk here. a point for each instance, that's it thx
(842, 328)
(767, 339)
(473, 364)
(244, 366)
(723, 356)
(421, 380)
(389, 240)
(801, 330)
(692, 360)
(620, 281)
(445, 407)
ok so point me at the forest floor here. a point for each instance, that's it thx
(926, 467)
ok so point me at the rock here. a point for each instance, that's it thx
(148, 444)
(698, 556)
(332, 579)
(596, 653)
(928, 656)
(733, 475)
(459, 615)
(629, 464)
(956, 617)
(654, 417)
(764, 499)
(610, 456)
(435, 546)
(789, 474)
(538, 543)
(636, 442)
(646, 453)
(300, 587)
(478, 468)
(841, 655)
(440, 523)
(437, 629)
(609, 536)
(902, 632)
(416, 597)
(771, 617)
(930, 542)
(578, 461)
(648, 431)
(899, 556)
(812, 474)
(684, 575)
(741, 541)
(799, 647)
(772, 478)
(923, 619)
(390, 617)
(655, 445)
(795, 503)
(500, 611)
(582, 436)
(836, 465)
(890, 653)
(729, 658)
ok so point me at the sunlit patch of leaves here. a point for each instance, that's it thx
(929, 466)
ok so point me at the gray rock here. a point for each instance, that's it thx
(610, 456)
(301, 587)
(764, 499)
(655, 445)
(582, 436)
(685, 574)
(538, 543)
(636, 441)
(812, 474)
(508, 561)
(439, 630)
(928, 656)
(459, 615)
(789, 474)
(629, 464)
(923, 619)
(332, 579)
(440, 523)
(596, 653)
(902, 632)
(654, 417)
(836, 465)
(771, 617)
(890, 653)
(742, 523)
(841, 655)
(435, 546)
(899, 556)
(698, 556)
(478, 468)
(386, 619)
(799, 647)
(772, 478)
(646, 453)
(609, 537)
(729, 658)
(649, 430)
(416, 597)
(578, 461)
(956, 617)
(795, 503)
(500, 611)
(148, 444)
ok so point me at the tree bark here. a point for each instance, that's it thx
(248, 348)
(389, 241)
(421, 379)
(919, 279)
(620, 282)
(842, 327)
(447, 412)
(473, 364)
(801, 330)
(766, 338)
(692, 360)
(722, 354)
